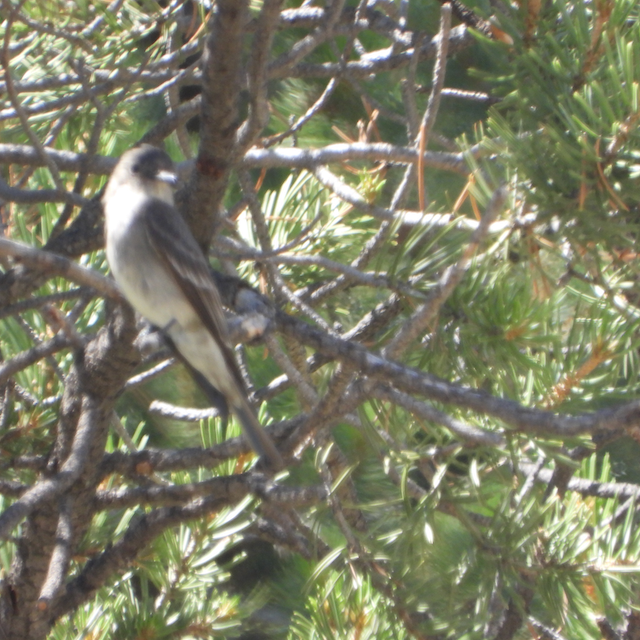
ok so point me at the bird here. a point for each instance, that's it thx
(164, 275)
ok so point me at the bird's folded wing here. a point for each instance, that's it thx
(170, 236)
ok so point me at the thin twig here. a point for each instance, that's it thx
(466, 432)
(183, 414)
(25, 359)
(308, 393)
(433, 104)
(43, 301)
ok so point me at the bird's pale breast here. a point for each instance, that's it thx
(136, 268)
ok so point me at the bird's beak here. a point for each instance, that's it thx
(168, 177)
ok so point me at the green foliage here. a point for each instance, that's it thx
(547, 315)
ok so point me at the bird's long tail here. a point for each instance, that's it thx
(257, 436)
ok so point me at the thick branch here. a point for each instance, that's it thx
(222, 62)
(417, 382)
(55, 265)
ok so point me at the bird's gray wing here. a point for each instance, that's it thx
(172, 240)
(176, 247)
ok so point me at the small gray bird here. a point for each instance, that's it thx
(164, 275)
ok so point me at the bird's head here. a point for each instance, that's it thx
(147, 168)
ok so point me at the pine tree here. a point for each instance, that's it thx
(421, 219)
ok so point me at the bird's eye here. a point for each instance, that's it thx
(135, 168)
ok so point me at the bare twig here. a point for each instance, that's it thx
(466, 432)
(184, 414)
(55, 265)
(257, 73)
(433, 105)
(43, 301)
(25, 359)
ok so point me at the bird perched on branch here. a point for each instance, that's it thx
(164, 275)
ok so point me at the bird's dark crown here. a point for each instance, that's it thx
(148, 161)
